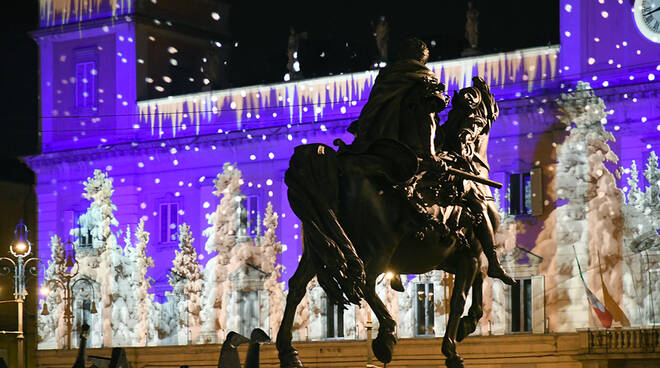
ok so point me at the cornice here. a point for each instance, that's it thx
(133, 149)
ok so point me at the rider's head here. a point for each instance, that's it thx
(414, 48)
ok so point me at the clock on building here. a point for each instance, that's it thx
(647, 18)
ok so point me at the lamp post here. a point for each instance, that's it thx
(21, 249)
(65, 278)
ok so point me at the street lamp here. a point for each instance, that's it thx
(65, 278)
(20, 248)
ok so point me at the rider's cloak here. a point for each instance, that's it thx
(401, 107)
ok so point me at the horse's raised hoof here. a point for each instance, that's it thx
(290, 359)
(383, 346)
(466, 326)
(454, 362)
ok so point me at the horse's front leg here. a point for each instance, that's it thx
(465, 273)
(297, 288)
(383, 345)
(468, 324)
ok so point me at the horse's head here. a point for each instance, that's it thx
(476, 101)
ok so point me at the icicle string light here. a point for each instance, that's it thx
(54, 12)
(336, 97)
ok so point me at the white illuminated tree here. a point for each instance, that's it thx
(187, 273)
(141, 284)
(271, 248)
(51, 326)
(652, 192)
(100, 264)
(222, 237)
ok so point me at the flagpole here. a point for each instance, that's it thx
(577, 260)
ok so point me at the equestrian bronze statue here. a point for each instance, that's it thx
(407, 196)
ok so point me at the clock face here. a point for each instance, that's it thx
(647, 18)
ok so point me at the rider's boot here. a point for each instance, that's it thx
(495, 269)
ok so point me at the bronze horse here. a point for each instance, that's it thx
(357, 224)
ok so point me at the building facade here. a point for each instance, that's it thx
(134, 117)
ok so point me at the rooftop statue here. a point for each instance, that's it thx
(407, 196)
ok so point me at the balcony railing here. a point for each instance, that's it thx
(622, 340)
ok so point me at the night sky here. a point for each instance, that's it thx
(262, 28)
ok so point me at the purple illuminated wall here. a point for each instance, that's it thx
(168, 150)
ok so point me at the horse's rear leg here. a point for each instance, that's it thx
(297, 287)
(468, 324)
(383, 345)
(465, 273)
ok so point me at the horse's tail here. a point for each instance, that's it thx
(313, 181)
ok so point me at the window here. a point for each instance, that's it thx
(527, 305)
(521, 306)
(525, 192)
(653, 276)
(84, 233)
(249, 311)
(334, 319)
(86, 85)
(424, 310)
(251, 222)
(169, 222)
(87, 312)
(520, 193)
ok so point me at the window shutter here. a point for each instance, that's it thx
(514, 194)
(174, 220)
(90, 85)
(80, 85)
(537, 191)
(538, 304)
(164, 228)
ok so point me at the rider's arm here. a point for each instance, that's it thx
(468, 134)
